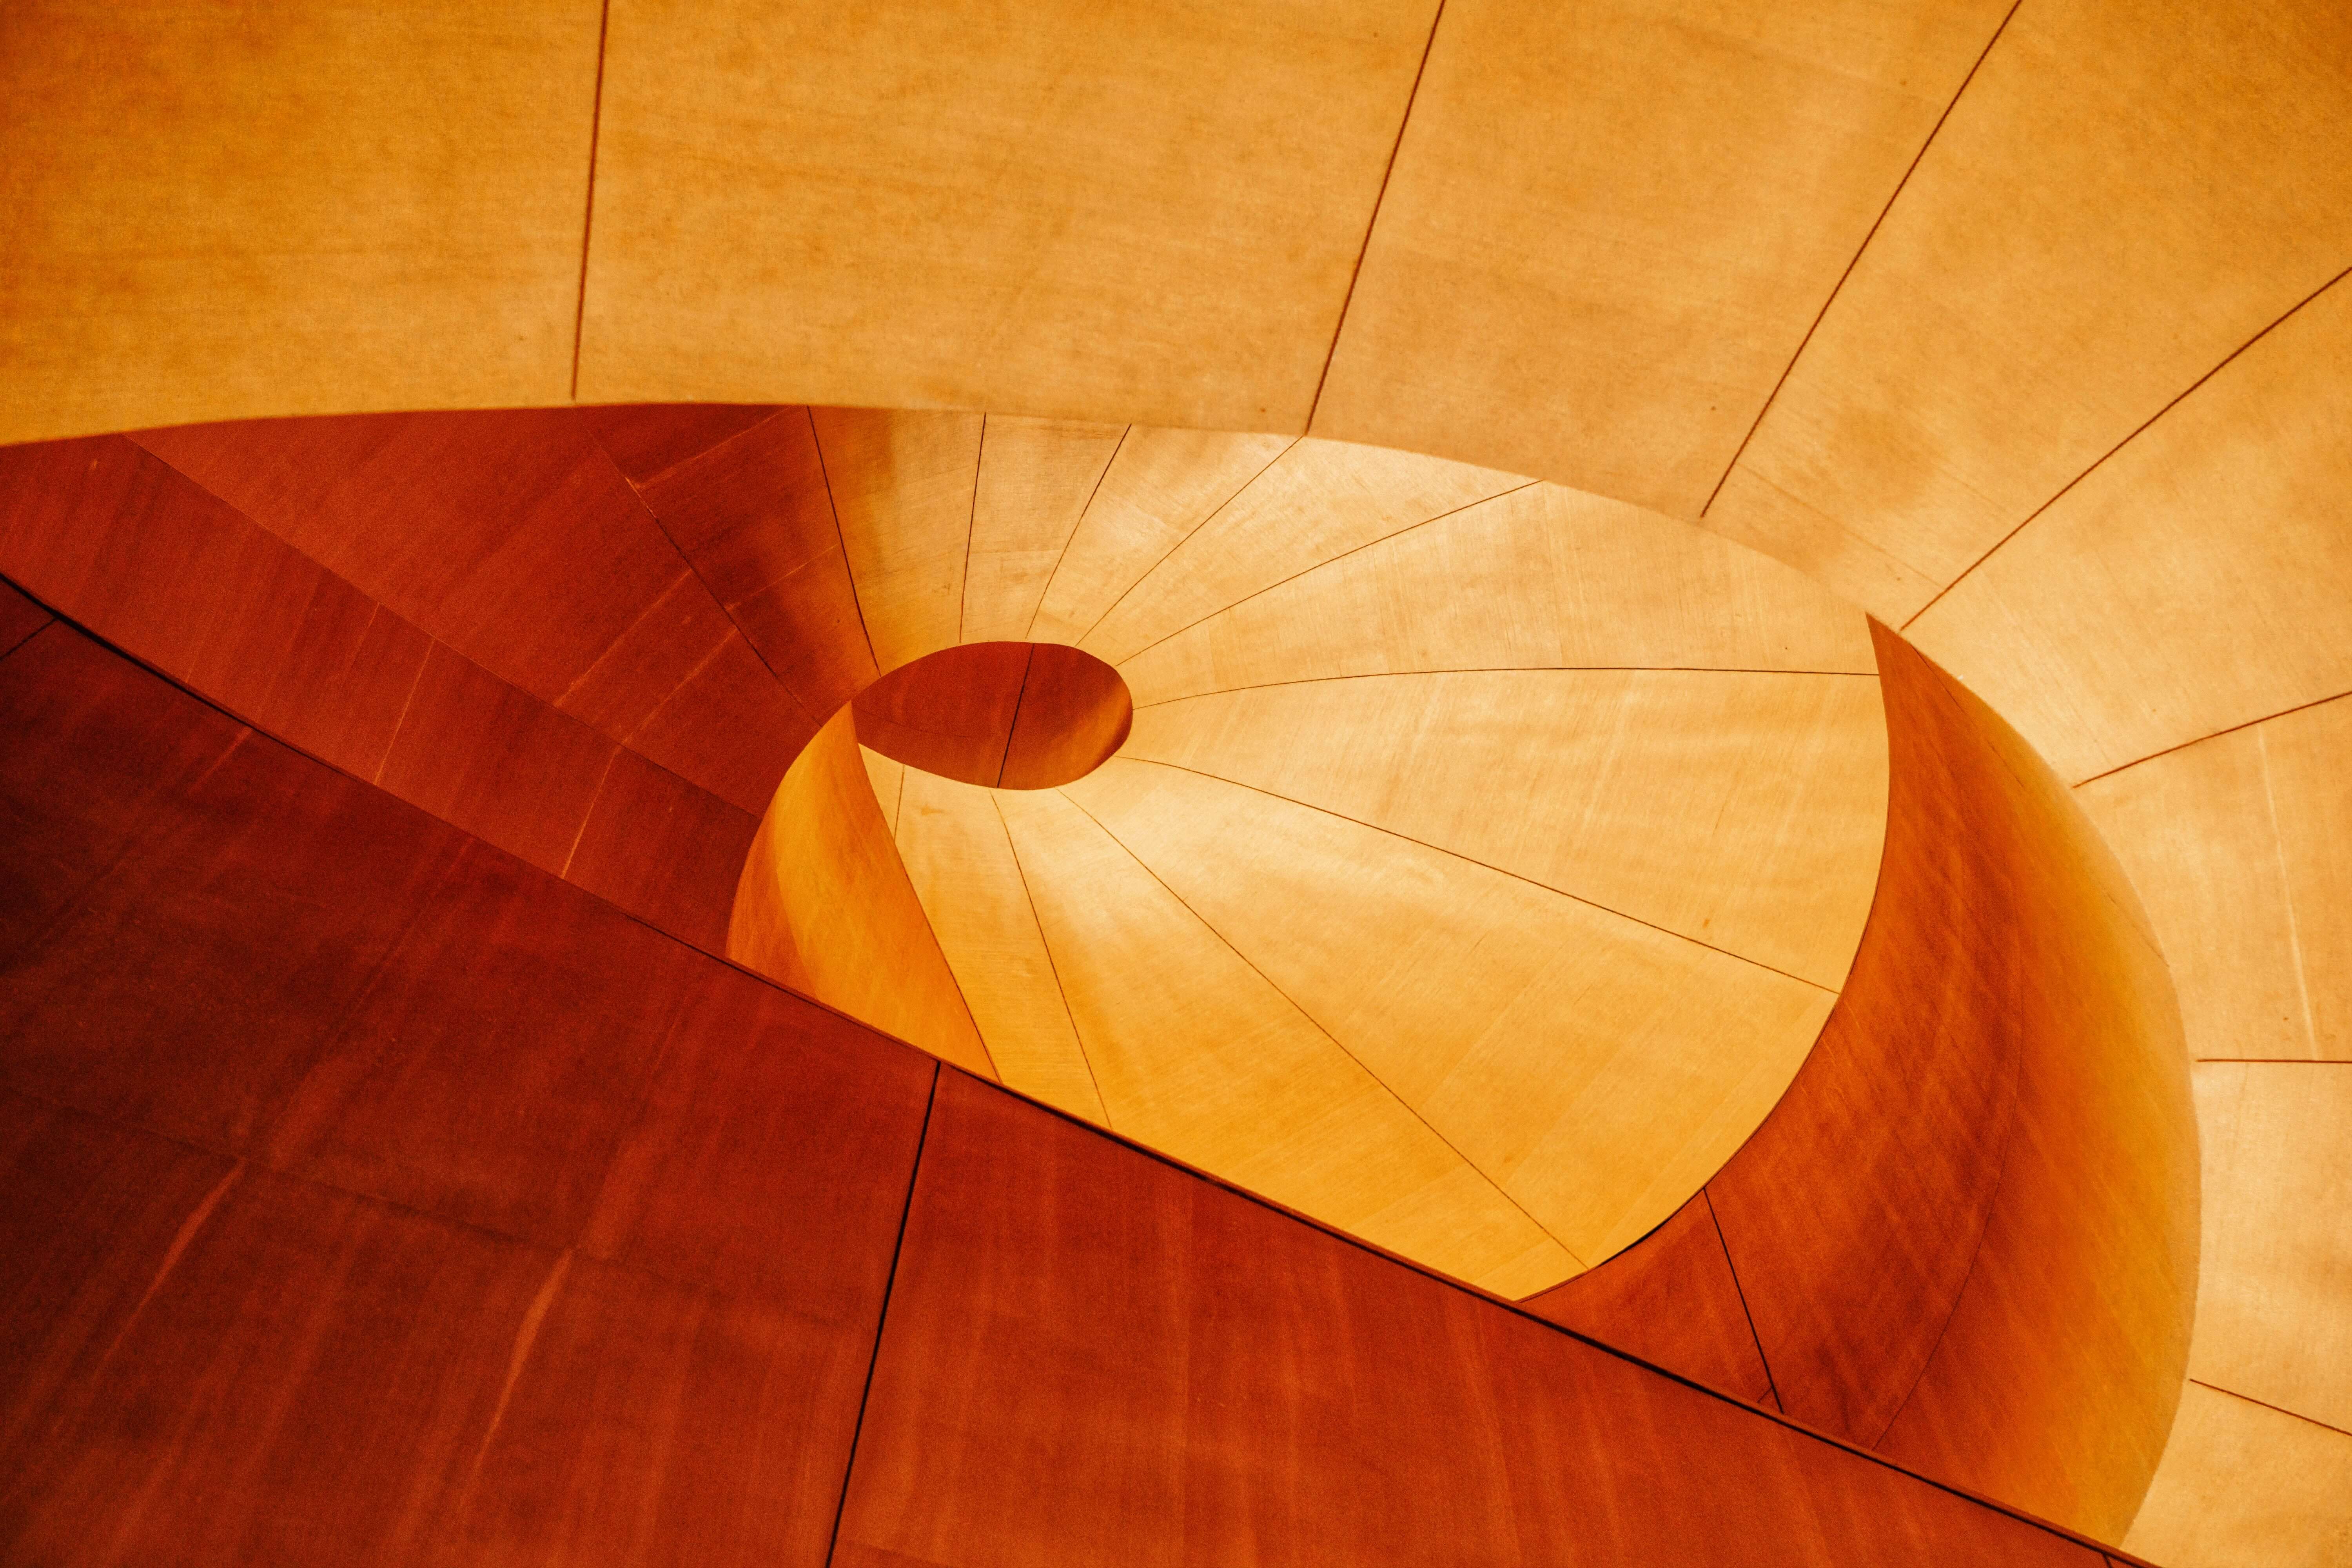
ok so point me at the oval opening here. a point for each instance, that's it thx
(1009, 715)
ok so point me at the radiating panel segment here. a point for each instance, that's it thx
(2198, 580)
(2123, 197)
(2245, 1483)
(1610, 226)
(1316, 500)
(1597, 1070)
(1162, 485)
(902, 488)
(1196, 1053)
(960, 857)
(1744, 811)
(1036, 477)
(1535, 578)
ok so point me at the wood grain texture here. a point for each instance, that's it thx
(1665, 195)
(212, 1360)
(903, 492)
(825, 907)
(1966, 1235)
(302, 209)
(1061, 231)
(2121, 199)
(1036, 479)
(1208, 1380)
(1196, 1052)
(2190, 555)
(1004, 715)
(2241, 1483)
(1623, 789)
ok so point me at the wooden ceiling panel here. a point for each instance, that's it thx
(1317, 500)
(1596, 1070)
(2194, 582)
(2123, 196)
(902, 485)
(1037, 479)
(1617, 222)
(289, 209)
(2242, 1483)
(1061, 228)
(1537, 578)
(960, 857)
(1744, 811)
(1162, 485)
(1197, 1053)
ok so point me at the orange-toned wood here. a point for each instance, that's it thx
(825, 907)
(646, 441)
(1968, 1233)
(1205, 1379)
(133, 549)
(20, 617)
(267, 967)
(1671, 1300)
(1009, 715)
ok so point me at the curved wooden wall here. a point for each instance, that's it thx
(1987, 247)
(376, 1197)
(1967, 1237)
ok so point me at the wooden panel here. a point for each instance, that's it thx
(114, 539)
(490, 759)
(1207, 1380)
(147, 1005)
(646, 441)
(888, 777)
(903, 486)
(20, 617)
(1316, 500)
(2123, 197)
(959, 854)
(1741, 810)
(1674, 1303)
(93, 744)
(1197, 1053)
(2245, 1483)
(1162, 485)
(825, 907)
(2278, 1240)
(504, 1114)
(950, 712)
(2151, 605)
(1075, 713)
(1036, 477)
(1619, 221)
(2234, 844)
(663, 850)
(1066, 224)
(287, 209)
(753, 517)
(1542, 577)
(1596, 1070)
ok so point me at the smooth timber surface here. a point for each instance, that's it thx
(474, 1222)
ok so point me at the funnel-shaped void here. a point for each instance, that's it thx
(1009, 715)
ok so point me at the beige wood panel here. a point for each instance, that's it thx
(1162, 485)
(1317, 500)
(1597, 1070)
(287, 209)
(2271, 1322)
(960, 860)
(1036, 477)
(1198, 1055)
(825, 908)
(1619, 221)
(2197, 581)
(2241, 847)
(902, 485)
(2242, 1484)
(1159, 210)
(2123, 196)
(1745, 811)
(888, 777)
(1542, 577)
